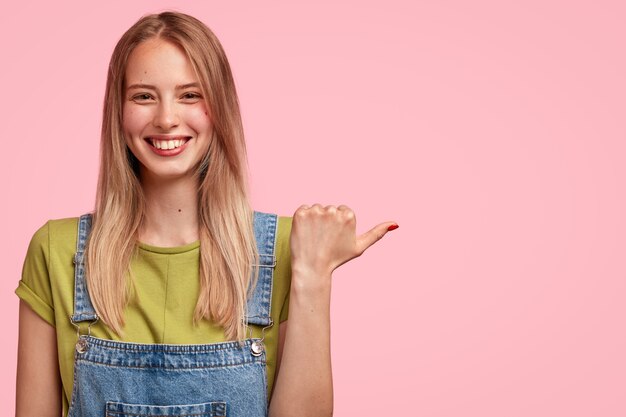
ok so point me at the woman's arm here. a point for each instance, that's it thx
(38, 391)
(304, 376)
(322, 239)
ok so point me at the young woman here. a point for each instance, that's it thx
(172, 297)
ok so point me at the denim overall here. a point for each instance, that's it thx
(124, 379)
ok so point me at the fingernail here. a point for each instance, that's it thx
(393, 227)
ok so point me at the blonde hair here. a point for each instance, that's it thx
(228, 253)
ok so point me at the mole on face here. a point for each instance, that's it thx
(179, 210)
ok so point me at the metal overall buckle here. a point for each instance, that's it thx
(257, 347)
(81, 344)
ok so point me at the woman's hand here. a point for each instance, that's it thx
(323, 238)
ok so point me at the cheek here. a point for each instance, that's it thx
(200, 120)
(133, 121)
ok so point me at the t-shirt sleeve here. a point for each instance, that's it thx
(283, 261)
(34, 287)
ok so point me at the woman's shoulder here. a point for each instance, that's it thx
(283, 226)
(63, 227)
(47, 267)
(284, 222)
(55, 234)
(283, 231)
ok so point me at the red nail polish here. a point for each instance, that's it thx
(393, 227)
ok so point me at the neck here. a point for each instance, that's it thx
(171, 217)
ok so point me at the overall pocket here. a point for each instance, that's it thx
(210, 409)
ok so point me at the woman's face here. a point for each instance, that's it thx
(165, 120)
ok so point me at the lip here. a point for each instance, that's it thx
(167, 152)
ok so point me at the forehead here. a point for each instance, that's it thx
(159, 62)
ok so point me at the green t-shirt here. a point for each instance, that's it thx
(167, 283)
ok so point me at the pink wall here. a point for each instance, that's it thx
(493, 134)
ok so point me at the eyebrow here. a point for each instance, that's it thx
(151, 87)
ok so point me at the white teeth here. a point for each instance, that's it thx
(166, 144)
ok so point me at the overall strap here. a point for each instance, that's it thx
(83, 309)
(260, 304)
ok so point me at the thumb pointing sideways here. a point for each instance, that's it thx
(373, 235)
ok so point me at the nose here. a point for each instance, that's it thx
(166, 116)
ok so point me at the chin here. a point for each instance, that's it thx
(167, 175)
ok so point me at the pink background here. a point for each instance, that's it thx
(491, 131)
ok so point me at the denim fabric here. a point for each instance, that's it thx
(120, 379)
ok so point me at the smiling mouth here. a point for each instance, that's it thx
(168, 143)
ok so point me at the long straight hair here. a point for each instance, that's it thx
(229, 258)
